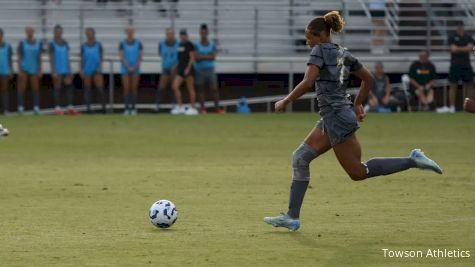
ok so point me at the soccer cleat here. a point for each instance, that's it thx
(283, 220)
(423, 162)
(3, 131)
(73, 112)
(177, 110)
(220, 111)
(36, 110)
(191, 111)
(203, 111)
(58, 111)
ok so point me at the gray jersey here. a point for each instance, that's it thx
(335, 63)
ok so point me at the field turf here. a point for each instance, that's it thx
(75, 191)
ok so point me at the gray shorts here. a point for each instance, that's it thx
(339, 124)
(206, 77)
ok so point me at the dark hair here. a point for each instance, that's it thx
(426, 51)
(1, 31)
(90, 29)
(330, 22)
(58, 26)
(204, 26)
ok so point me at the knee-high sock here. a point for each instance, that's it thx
(102, 97)
(70, 93)
(133, 99)
(87, 98)
(36, 98)
(57, 97)
(21, 98)
(385, 166)
(5, 101)
(159, 97)
(302, 157)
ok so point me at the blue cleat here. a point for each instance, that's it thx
(423, 162)
(283, 220)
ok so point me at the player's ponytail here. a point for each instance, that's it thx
(331, 22)
(335, 21)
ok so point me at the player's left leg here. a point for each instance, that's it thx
(348, 154)
(4, 90)
(135, 80)
(190, 85)
(68, 86)
(35, 87)
(99, 84)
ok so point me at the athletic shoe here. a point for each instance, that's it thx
(203, 111)
(126, 112)
(36, 110)
(58, 111)
(283, 220)
(133, 112)
(423, 162)
(191, 111)
(72, 111)
(220, 111)
(3, 131)
(443, 109)
(451, 109)
(177, 110)
(21, 109)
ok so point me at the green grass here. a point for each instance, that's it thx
(75, 191)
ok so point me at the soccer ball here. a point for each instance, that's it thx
(163, 214)
(3, 132)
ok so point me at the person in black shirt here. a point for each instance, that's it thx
(185, 72)
(423, 74)
(461, 44)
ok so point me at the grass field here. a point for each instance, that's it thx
(75, 191)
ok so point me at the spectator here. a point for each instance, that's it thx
(92, 55)
(380, 97)
(168, 51)
(130, 54)
(206, 78)
(423, 75)
(378, 15)
(61, 71)
(5, 70)
(461, 44)
(29, 63)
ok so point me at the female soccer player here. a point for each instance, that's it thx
(61, 71)
(29, 62)
(185, 72)
(91, 68)
(5, 70)
(130, 54)
(329, 68)
(168, 51)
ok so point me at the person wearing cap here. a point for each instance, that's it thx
(461, 45)
(6, 68)
(205, 73)
(185, 72)
(61, 71)
(29, 63)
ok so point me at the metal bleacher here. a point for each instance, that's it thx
(250, 33)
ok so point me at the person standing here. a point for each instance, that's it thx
(61, 71)
(205, 70)
(423, 75)
(91, 68)
(6, 68)
(168, 51)
(130, 54)
(461, 45)
(29, 62)
(185, 72)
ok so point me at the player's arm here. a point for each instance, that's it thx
(307, 84)
(467, 49)
(121, 56)
(367, 83)
(40, 69)
(10, 60)
(415, 83)
(19, 56)
(139, 61)
(192, 60)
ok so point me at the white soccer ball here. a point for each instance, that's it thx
(163, 214)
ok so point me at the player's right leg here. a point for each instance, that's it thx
(190, 85)
(315, 144)
(162, 85)
(178, 109)
(35, 87)
(57, 81)
(87, 84)
(22, 82)
(4, 91)
(126, 87)
(99, 85)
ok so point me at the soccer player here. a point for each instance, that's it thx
(168, 51)
(130, 54)
(5, 70)
(3, 131)
(205, 74)
(185, 72)
(469, 104)
(461, 44)
(380, 96)
(329, 68)
(61, 71)
(29, 62)
(91, 68)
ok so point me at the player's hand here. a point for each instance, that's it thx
(469, 105)
(187, 71)
(39, 74)
(281, 105)
(54, 75)
(131, 69)
(360, 114)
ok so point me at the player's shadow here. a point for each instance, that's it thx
(304, 239)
